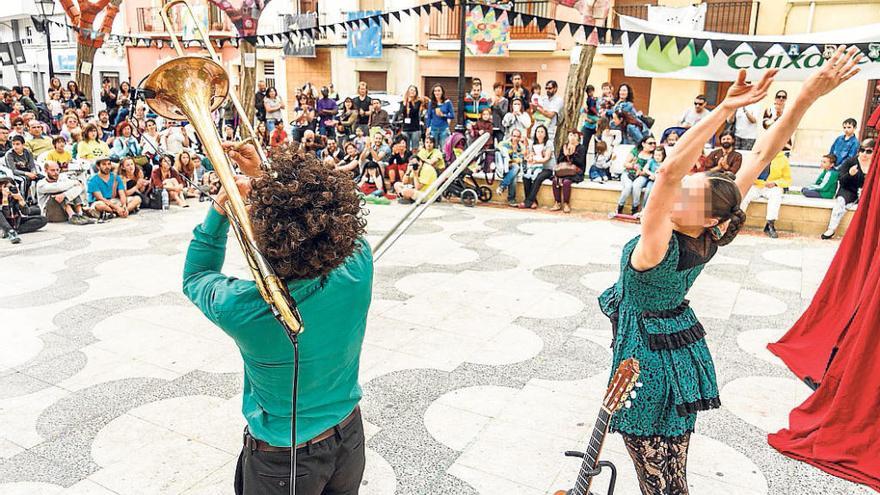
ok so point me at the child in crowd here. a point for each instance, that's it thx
(372, 184)
(601, 169)
(645, 181)
(360, 140)
(846, 145)
(606, 102)
(590, 114)
(484, 126)
(56, 107)
(825, 185)
(671, 139)
(59, 153)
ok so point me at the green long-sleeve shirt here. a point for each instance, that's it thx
(334, 318)
(826, 183)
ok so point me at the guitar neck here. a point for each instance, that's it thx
(591, 455)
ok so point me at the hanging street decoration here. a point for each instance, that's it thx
(691, 55)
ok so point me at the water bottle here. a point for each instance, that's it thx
(164, 200)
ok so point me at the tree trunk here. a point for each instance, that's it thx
(85, 54)
(574, 94)
(247, 85)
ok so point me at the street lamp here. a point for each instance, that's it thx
(47, 8)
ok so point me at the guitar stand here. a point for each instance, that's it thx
(598, 470)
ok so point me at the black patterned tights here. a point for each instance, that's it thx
(661, 463)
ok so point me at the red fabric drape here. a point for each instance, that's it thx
(838, 428)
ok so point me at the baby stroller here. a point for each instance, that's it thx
(464, 186)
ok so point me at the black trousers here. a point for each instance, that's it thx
(334, 466)
(532, 186)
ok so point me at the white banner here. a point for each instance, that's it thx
(692, 17)
(649, 56)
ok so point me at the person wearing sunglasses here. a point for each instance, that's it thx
(772, 114)
(695, 113)
(852, 178)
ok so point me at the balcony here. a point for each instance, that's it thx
(733, 17)
(444, 25)
(149, 21)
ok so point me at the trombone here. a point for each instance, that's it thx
(189, 88)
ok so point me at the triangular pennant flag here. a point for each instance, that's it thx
(386, 17)
(699, 44)
(761, 48)
(527, 19)
(724, 46)
(542, 22)
(449, 3)
(681, 43)
(425, 9)
(602, 34)
(649, 38)
(436, 6)
(664, 40)
(479, 8)
(559, 26)
(577, 31)
(396, 15)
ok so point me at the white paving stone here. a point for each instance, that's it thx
(755, 343)
(764, 401)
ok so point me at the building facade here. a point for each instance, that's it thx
(16, 25)
(144, 20)
(426, 52)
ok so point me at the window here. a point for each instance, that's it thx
(112, 76)
(269, 73)
(377, 80)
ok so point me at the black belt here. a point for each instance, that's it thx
(257, 444)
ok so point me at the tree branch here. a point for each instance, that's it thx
(107, 23)
(72, 10)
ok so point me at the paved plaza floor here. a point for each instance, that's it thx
(486, 357)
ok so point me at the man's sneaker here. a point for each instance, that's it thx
(13, 237)
(86, 220)
(405, 201)
(92, 212)
(78, 220)
(828, 234)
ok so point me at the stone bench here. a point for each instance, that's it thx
(799, 214)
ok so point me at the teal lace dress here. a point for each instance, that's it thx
(653, 322)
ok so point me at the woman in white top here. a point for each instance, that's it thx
(516, 118)
(273, 105)
(539, 165)
(174, 139)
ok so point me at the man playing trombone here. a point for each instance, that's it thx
(307, 221)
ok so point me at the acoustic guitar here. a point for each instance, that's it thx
(618, 395)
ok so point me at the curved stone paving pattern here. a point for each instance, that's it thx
(485, 358)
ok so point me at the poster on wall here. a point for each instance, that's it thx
(720, 56)
(300, 45)
(200, 12)
(487, 34)
(365, 41)
(5, 54)
(691, 17)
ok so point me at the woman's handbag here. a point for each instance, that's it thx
(566, 169)
(154, 199)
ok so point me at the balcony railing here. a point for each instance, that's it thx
(150, 21)
(733, 17)
(444, 25)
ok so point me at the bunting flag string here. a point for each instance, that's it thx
(617, 36)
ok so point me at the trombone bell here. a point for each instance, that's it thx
(172, 81)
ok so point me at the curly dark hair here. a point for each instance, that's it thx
(308, 218)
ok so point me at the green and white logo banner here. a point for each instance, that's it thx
(651, 50)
